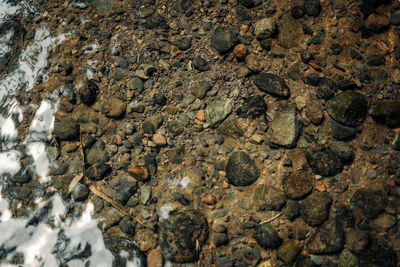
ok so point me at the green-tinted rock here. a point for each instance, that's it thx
(348, 108)
(289, 251)
(284, 129)
(223, 39)
(347, 259)
(218, 110)
(268, 197)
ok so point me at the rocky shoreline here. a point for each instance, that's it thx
(231, 132)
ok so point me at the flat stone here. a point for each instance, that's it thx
(267, 236)
(284, 129)
(241, 169)
(315, 208)
(223, 39)
(218, 110)
(297, 184)
(324, 161)
(329, 238)
(268, 197)
(272, 84)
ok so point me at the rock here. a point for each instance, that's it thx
(348, 108)
(267, 237)
(394, 19)
(324, 162)
(376, 74)
(291, 210)
(200, 89)
(138, 172)
(387, 110)
(268, 198)
(97, 171)
(383, 222)
(240, 51)
(284, 129)
(312, 7)
(218, 110)
(297, 184)
(185, 43)
(326, 88)
(66, 129)
(125, 190)
(154, 258)
(135, 84)
(200, 64)
(371, 202)
(241, 169)
(328, 239)
(340, 131)
(315, 208)
(80, 192)
(297, 12)
(357, 240)
(250, 3)
(314, 113)
(175, 127)
(159, 140)
(343, 151)
(145, 194)
(209, 199)
(19, 192)
(347, 259)
(110, 216)
(127, 225)
(219, 239)
(264, 28)
(116, 244)
(224, 262)
(378, 253)
(181, 233)
(336, 48)
(376, 23)
(88, 93)
(376, 60)
(154, 21)
(395, 77)
(97, 154)
(289, 32)
(113, 108)
(253, 107)
(253, 63)
(289, 251)
(223, 39)
(272, 84)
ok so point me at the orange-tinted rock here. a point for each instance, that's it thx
(240, 51)
(140, 173)
(154, 258)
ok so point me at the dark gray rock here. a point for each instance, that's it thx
(357, 240)
(297, 184)
(66, 129)
(371, 202)
(376, 74)
(200, 64)
(291, 210)
(181, 233)
(268, 197)
(97, 171)
(125, 190)
(80, 192)
(324, 162)
(315, 208)
(387, 111)
(272, 84)
(378, 253)
(336, 48)
(284, 129)
(200, 89)
(326, 88)
(223, 39)
(348, 108)
(135, 84)
(97, 153)
(127, 225)
(394, 19)
(267, 236)
(19, 192)
(329, 238)
(219, 239)
(241, 169)
(312, 7)
(253, 107)
(376, 60)
(88, 93)
(340, 131)
(250, 3)
(343, 151)
(154, 21)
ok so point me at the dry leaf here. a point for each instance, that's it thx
(74, 181)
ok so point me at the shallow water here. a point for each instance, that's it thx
(47, 236)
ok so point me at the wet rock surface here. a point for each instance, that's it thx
(241, 169)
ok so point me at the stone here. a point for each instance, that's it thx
(159, 140)
(154, 258)
(268, 198)
(115, 244)
(394, 19)
(250, 3)
(347, 259)
(284, 129)
(88, 93)
(371, 202)
(326, 88)
(383, 222)
(97, 171)
(376, 74)
(138, 172)
(267, 236)
(315, 208)
(377, 23)
(324, 162)
(378, 253)
(135, 84)
(376, 60)
(113, 108)
(181, 233)
(387, 111)
(223, 39)
(218, 110)
(110, 216)
(340, 131)
(328, 239)
(272, 84)
(253, 63)
(80, 192)
(219, 239)
(253, 107)
(348, 108)
(314, 113)
(396, 76)
(298, 184)
(97, 154)
(145, 194)
(343, 151)
(240, 51)
(357, 240)
(200, 89)
(241, 169)
(289, 251)
(127, 225)
(66, 129)
(291, 209)
(200, 64)
(264, 28)
(125, 189)
(312, 7)
(336, 48)
(289, 32)
(175, 127)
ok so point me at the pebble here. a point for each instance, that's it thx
(154, 258)
(285, 128)
(324, 161)
(297, 184)
(240, 51)
(328, 239)
(267, 236)
(80, 192)
(377, 22)
(371, 202)
(315, 208)
(241, 169)
(66, 129)
(223, 39)
(139, 173)
(218, 110)
(268, 198)
(159, 140)
(113, 107)
(264, 28)
(272, 84)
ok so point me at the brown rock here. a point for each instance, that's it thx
(314, 113)
(253, 63)
(376, 22)
(159, 140)
(240, 51)
(209, 199)
(201, 115)
(139, 173)
(154, 258)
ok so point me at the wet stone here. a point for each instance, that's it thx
(285, 128)
(113, 108)
(264, 28)
(376, 23)
(80, 192)
(315, 208)
(241, 169)
(340, 131)
(297, 184)
(66, 129)
(357, 240)
(312, 7)
(289, 251)
(324, 161)
(272, 84)
(348, 108)
(218, 110)
(376, 60)
(370, 202)
(223, 39)
(253, 107)
(97, 171)
(387, 111)
(250, 3)
(200, 64)
(267, 236)
(110, 216)
(268, 197)
(127, 225)
(328, 239)
(378, 253)
(179, 235)
(200, 89)
(326, 88)
(291, 210)
(343, 151)
(125, 190)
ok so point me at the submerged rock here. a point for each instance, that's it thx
(253, 107)
(241, 169)
(267, 236)
(315, 208)
(218, 110)
(371, 202)
(285, 128)
(297, 184)
(324, 161)
(268, 197)
(272, 84)
(223, 39)
(329, 238)
(388, 111)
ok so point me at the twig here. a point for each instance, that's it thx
(271, 219)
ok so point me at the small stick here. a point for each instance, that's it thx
(271, 219)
